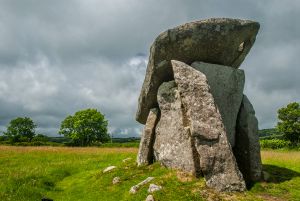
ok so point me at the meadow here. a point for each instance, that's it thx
(66, 173)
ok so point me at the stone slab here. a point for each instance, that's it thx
(217, 161)
(218, 40)
(247, 149)
(227, 86)
(173, 143)
(145, 153)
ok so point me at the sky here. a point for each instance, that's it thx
(58, 57)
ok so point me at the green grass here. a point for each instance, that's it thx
(118, 143)
(65, 174)
(121, 144)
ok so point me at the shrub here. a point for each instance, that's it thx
(2, 138)
(274, 144)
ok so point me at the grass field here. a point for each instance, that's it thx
(65, 174)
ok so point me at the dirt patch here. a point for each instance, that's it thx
(184, 177)
(270, 198)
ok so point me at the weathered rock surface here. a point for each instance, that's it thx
(145, 154)
(202, 116)
(153, 187)
(116, 180)
(108, 169)
(221, 41)
(135, 188)
(150, 198)
(247, 149)
(173, 143)
(226, 85)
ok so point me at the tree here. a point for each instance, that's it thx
(20, 129)
(85, 127)
(289, 122)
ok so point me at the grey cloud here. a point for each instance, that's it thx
(48, 93)
(57, 57)
(113, 29)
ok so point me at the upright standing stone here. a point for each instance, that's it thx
(218, 40)
(173, 145)
(217, 161)
(226, 85)
(145, 154)
(247, 149)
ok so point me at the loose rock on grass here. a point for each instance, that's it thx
(116, 180)
(150, 198)
(152, 188)
(135, 188)
(108, 169)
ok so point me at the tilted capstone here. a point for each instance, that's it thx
(218, 40)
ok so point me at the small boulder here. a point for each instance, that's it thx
(108, 169)
(150, 198)
(116, 180)
(152, 188)
(135, 188)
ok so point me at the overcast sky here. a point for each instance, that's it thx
(57, 57)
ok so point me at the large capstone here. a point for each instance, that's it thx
(221, 41)
(173, 143)
(204, 122)
(247, 149)
(226, 85)
(145, 154)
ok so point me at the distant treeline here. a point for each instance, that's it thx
(270, 133)
(272, 139)
(43, 140)
(115, 140)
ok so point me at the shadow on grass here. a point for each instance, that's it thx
(276, 175)
(279, 174)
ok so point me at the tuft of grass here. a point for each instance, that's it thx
(68, 173)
